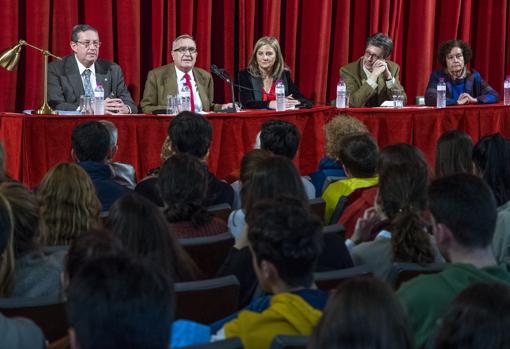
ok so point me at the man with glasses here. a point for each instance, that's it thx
(370, 79)
(80, 73)
(171, 78)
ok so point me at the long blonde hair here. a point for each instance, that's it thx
(68, 202)
(279, 64)
(7, 267)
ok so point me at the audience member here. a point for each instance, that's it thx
(249, 164)
(402, 199)
(330, 166)
(142, 228)
(191, 133)
(37, 274)
(453, 153)
(80, 73)
(464, 210)
(282, 138)
(358, 154)
(362, 313)
(183, 186)
(171, 78)
(3, 175)
(463, 86)
(17, 333)
(68, 203)
(273, 177)
(258, 80)
(479, 317)
(123, 173)
(285, 239)
(115, 302)
(370, 79)
(92, 151)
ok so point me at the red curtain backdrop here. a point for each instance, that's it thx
(317, 37)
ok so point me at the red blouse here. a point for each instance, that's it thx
(271, 95)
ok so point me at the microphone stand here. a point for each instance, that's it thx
(223, 75)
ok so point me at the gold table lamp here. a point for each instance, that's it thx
(9, 59)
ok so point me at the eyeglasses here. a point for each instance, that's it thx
(87, 44)
(452, 57)
(369, 55)
(183, 50)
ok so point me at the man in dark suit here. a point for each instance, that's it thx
(369, 80)
(80, 73)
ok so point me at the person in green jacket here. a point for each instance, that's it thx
(464, 210)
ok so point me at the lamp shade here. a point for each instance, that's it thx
(9, 58)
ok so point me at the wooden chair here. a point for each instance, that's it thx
(221, 211)
(207, 301)
(318, 206)
(289, 342)
(229, 343)
(49, 313)
(329, 280)
(210, 252)
(402, 272)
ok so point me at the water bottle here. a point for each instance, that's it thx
(506, 90)
(341, 91)
(441, 94)
(99, 100)
(185, 98)
(280, 96)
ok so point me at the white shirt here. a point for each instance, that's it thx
(180, 83)
(82, 68)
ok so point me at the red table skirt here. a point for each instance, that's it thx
(36, 143)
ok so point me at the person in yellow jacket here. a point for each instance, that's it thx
(284, 238)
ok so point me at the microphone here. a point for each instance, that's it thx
(222, 74)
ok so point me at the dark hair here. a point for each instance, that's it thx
(280, 137)
(358, 153)
(90, 141)
(249, 163)
(183, 185)
(274, 176)
(453, 153)
(479, 317)
(403, 198)
(362, 313)
(491, 156)
(447, 46)
(382, 41)
(91, 245)
(25, 211)
(143, 230)
(284, 232)
(401, 154)
(116, 302)
(80, 28)
(190, 133)
(6, 223)
(465, 205)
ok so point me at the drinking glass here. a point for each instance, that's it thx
(397, 95)
(172, 104)
(86, 105)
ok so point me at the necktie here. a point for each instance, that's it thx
(86, 83)
(188, 83)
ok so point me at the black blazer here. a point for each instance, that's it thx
(251, 94)
(65, 85)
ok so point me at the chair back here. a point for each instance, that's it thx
(329, 280)
(289, 342)
(221, 211)
(209, 252)
(229, 343)
(206, 301)
(318, 206)
(402, 272)
(337, 229)
(49, 313)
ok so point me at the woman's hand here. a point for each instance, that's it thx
(465, 98)
(364, 225)
(290, 103)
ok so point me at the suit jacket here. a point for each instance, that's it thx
(65, 85)
(361, 94)
(251, 95)
(162, 82)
